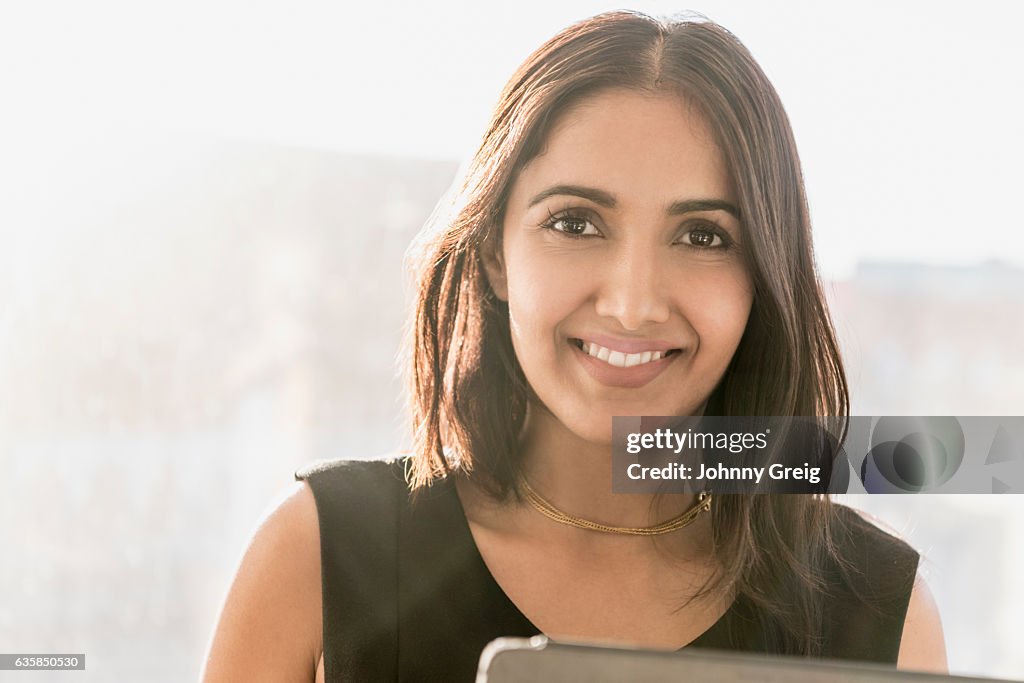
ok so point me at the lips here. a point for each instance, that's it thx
(629, 345)
(623, 363)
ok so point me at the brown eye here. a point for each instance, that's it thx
(703, 238)
(572, 225)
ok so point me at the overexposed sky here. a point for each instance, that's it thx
(907, 114)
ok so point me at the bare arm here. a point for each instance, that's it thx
(270, 627)
(923, 647)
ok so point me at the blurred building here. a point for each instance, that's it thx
(933, 340)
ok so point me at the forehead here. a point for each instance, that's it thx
(641, 147)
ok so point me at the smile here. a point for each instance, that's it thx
(620, 359)
(617, 368)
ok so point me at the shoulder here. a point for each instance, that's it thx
(270, 623)
(884, 562)
(351, 474)
(355, 492)
(863, 528)
(870, 580)
(923, 647)
(885, 610)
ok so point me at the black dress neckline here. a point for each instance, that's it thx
(715, 636)
(407, 595)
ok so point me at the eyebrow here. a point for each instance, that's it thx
(607, 200)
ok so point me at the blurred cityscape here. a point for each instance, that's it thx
(191, 321)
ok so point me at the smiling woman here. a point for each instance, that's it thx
(631, 238)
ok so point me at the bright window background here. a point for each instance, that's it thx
(203, 210)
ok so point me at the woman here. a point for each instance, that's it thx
(632, 238)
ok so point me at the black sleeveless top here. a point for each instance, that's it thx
(407, 596)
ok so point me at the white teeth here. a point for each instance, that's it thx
(618, 358)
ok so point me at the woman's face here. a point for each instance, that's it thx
(621, 263)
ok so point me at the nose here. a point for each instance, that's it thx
(633, 288)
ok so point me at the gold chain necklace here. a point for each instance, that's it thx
(551, 512)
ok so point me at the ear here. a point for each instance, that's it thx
(494, 266)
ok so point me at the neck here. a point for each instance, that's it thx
(574, 475)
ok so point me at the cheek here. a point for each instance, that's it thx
(719, 307)
(542, 294)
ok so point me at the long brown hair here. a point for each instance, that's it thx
(468, 395)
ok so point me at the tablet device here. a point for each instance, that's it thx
(538, 660)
